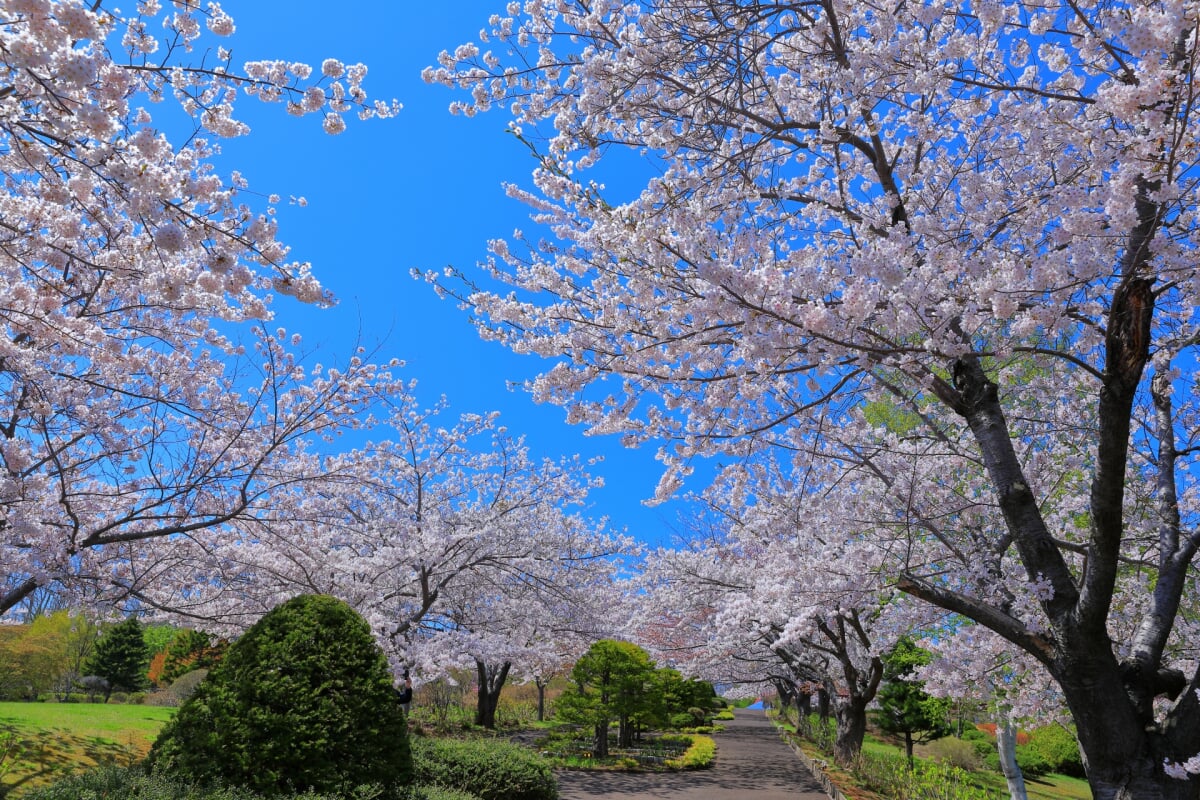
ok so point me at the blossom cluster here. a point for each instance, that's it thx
(133, 281)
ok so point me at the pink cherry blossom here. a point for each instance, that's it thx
(948, 250)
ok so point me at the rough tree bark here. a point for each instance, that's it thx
(491, 681)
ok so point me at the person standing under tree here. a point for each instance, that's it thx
(404, 693)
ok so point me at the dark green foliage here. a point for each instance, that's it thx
(190, 650)
(437, 793)
(985, 747)
(904, 706)
(682, 720)
(1030, 757)
(490, 769)
(121, 657)
(118, 783)
(1059, 748)
(157, 637)
(612, 681)
(680, 696)
(303, 700)
(1032, 763)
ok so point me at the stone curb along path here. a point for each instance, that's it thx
(753, 763)
(817, 768)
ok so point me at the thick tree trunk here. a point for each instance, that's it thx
(803, 711)
(786, 691)
(491, 681)
(823, 704)
(851, 728)
(600, 741)
(804, 705)
(625, 732)
(1006, 745)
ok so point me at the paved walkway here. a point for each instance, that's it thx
(752, 763)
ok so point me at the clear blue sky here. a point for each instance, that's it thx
(422, 190)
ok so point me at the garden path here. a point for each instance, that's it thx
(752, 763)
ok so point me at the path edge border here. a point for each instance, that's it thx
(816, 768)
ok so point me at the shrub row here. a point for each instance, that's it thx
(700, 753)
(489, 769)
(889, 776)
(132, 783)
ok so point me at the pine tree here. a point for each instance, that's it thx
(904, 706)
(121, 658)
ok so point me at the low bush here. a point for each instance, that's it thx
(118, 783)
(1032, 763)
(681, 720)
(1060, 748)
(437, 793)
(699, 754)
(723, 715)
(889, 776)
(490, 769)
(956, 752)
(821, 731)
(984, 745)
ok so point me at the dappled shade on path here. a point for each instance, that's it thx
(752, 763)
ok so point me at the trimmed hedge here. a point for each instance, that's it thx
(700, 754)
(490, 769)
(438, 793)
(120, 783)
(133, 783)
(303, 700)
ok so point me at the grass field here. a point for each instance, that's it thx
(53, 739)
(1047, 787)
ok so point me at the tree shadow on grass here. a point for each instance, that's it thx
(42, 756)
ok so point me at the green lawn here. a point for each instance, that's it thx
(56, 738)
(1047, 787)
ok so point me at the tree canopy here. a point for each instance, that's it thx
(949, 248)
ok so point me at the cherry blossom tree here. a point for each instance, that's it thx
(982, 215)
(528, 623)
(793, 576)
(452, 540)
(144, 396)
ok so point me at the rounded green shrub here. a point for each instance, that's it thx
(957, 753)
(677, 721)
(302, 701)
(1060, 749)
(1032, 763)
(490, 769)
(132, 783)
